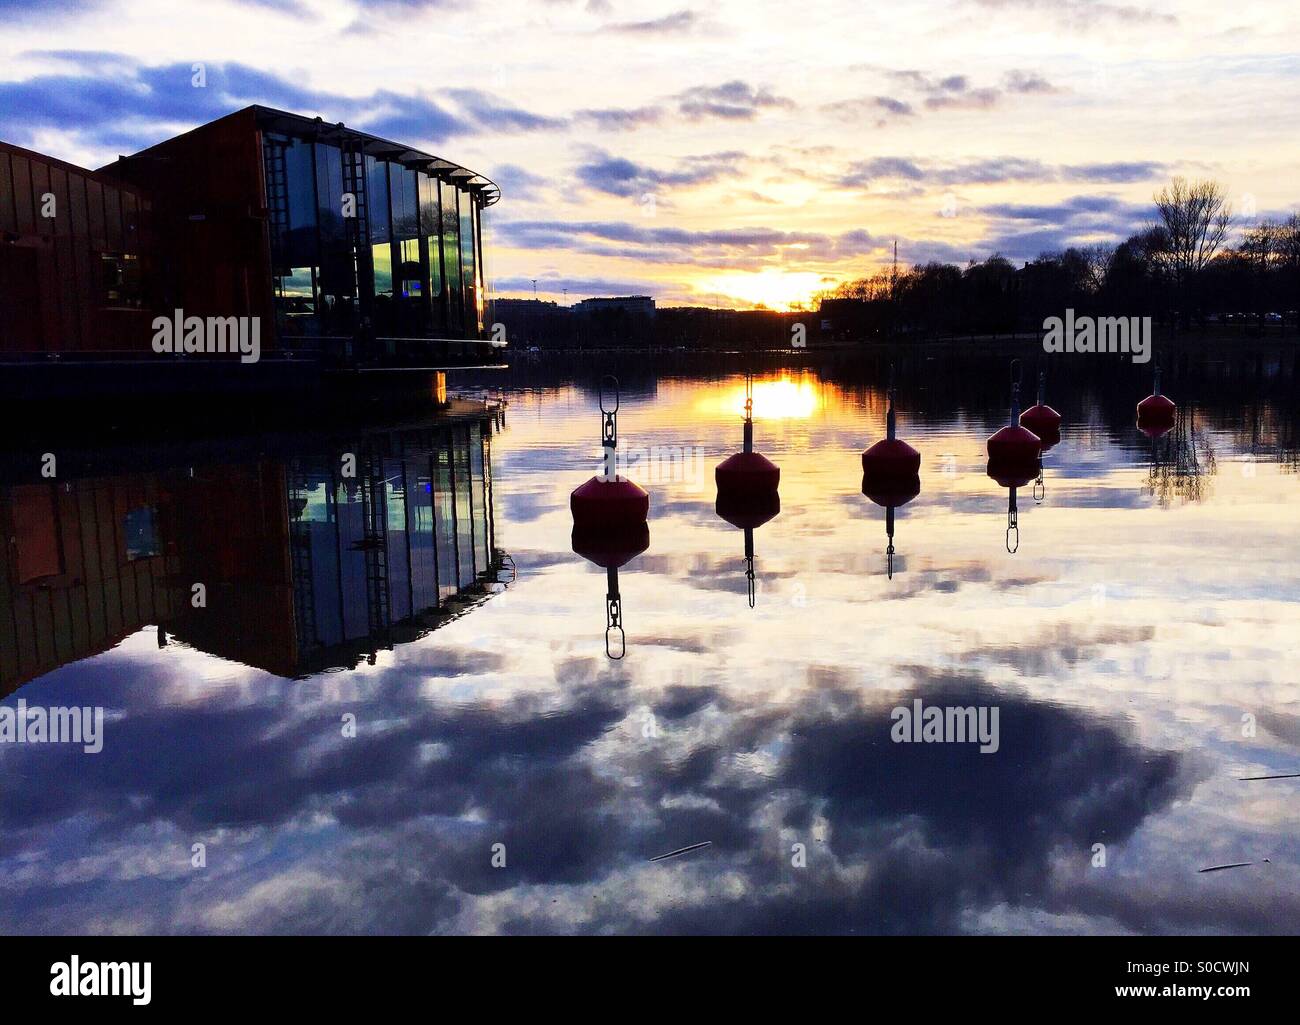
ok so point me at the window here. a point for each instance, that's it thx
(467, 263)
(451, 260)
(119, 275)
(430, 225)
(141, 529)
(295, 301)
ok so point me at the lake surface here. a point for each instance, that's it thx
(441, 743)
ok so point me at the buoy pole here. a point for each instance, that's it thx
(1042, 386)
(614, 615)
(609, 429)
(891, 422)
(749, 413)
(889, 548)
(1015, 392)
(1157, 391)
(1013, 523)
(751, 582)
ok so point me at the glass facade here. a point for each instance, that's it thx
(413, 270)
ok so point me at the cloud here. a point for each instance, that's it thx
(877, 108)
(990, 171)
(974, 99)
(1085, 14)
(732, 101)
(749, 248)
(621, 118)
(678, 21)
(1027, 82)
(324, 834)
(25, 10)
(618, 176)
(120, 105)
(489, 112)
(518, 183)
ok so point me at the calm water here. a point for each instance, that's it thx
(1151, 604)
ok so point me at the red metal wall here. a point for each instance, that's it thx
(52, 292)
(210, 216)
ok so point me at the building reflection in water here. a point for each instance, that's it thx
(310, 559)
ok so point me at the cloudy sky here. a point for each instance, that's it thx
(733, 153)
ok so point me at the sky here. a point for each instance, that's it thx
(729, 153)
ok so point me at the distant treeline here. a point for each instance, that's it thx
(1180, 270)
(1184, 270)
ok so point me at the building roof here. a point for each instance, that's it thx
(272, 120)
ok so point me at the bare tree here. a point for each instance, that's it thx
(1196, 218)
(1097, 259)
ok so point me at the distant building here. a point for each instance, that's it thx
(637, 305)
(534, 323)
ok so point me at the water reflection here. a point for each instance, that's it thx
(1121, 655)
(294, 564)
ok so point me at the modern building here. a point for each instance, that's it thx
(348, 248)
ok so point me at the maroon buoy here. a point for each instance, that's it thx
(891, 474)
(891, 460)
(608, 501)
(1042, 419)
(1013, 443)
(748, 512)
(892, 494)
(609, 504)
(1011, 473)
(611, 548)
(747, 472)
(1155, 413)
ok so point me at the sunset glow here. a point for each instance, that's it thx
(720, 161)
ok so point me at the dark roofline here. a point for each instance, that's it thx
(85, 172)
(270, 119)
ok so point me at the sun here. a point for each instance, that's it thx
(780, 398)
(773, 288)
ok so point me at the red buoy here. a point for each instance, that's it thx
(1155, 413)
(609, 504)
(608, 501)
(1041, 418)
(747, 473)
(611, 548)
(893, 493)
(890, 459)
(890, 463)
(1015, 444)
(750, 511)
(1013, 472)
